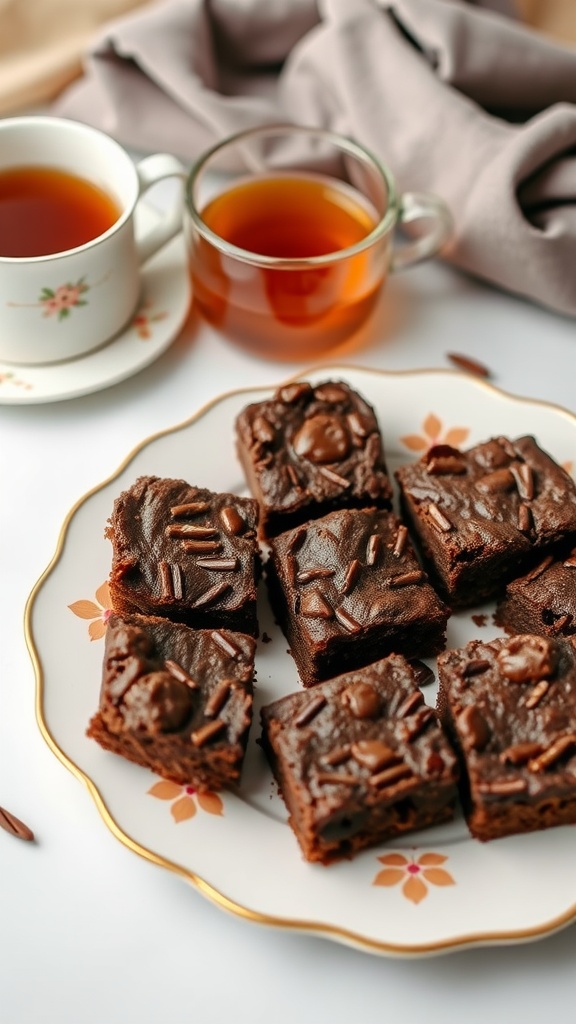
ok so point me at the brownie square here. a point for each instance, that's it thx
(510, 707)
(360, 760)
(310, 449)
(347, 589)
(185, 552)
(543, 601)
(480, 516)
(176, 700)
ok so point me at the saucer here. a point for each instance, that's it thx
(162, 310)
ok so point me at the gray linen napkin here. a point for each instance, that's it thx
(459, 100)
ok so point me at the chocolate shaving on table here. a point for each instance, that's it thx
(17, 828)
(468, 364)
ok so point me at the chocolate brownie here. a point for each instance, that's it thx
(542, 601)
(360, 760)
(185, 552)
(510, 707)
(347, 589)
(481, 516)
(310, 449)
(176, 700)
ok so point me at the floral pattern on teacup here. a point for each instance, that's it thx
(60, 301)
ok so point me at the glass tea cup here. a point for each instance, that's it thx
(290, 237)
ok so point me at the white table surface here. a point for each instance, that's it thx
(89, 932)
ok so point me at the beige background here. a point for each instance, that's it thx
(42, 41)
(556, 18)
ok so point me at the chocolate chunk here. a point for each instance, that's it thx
(473, 728)
(157, 702)
(527, 658)
(322, 438)
(362, 700)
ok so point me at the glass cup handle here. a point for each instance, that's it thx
(421, 206)
(151, 170)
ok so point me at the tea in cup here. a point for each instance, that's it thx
(70, 261)
(290, 235)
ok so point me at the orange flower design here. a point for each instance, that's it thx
(184, 800)
(98, 612)
(143, 320)
(414, 874)
(434, 432)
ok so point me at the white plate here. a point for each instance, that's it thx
(238, 850)
(163, 308)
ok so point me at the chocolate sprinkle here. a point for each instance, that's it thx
(221, 641)
(211, 595)
(400, 541)
(439, 520)
(207, 732)
(190, 530)
(309, 711)
(180, 674)
(190, 508)
(335, 779)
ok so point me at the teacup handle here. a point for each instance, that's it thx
(150, 170)
(422, 206)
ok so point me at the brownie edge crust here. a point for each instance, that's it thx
(359, 759)
(347, 590)
(509, 706)
(186, 553)
(310, 449)
(176, 700)
(543, 601)
(483, 516)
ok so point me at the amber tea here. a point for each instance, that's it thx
(44, 210)
(295, 217)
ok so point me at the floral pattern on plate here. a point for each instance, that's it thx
(185, 800)
(404, 898)
(434, 432)
(97, 611)
(413, 874)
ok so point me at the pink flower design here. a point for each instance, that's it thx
(59, 302)
(142, 321)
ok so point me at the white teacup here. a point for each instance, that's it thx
(64, 304)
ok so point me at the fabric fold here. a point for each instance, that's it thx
(458, 100)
